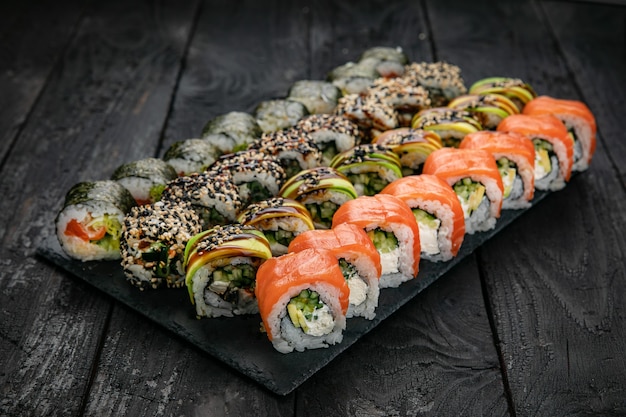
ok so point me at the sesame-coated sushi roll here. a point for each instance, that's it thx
(518, 91)
(442, 80)
(319, 97)
(369, 167)
(515, 157)
(90, 223)
(488, 109)
(358, 259)
(232, 132)
(191, 155)
(274, 115)
(214, 197)
(391, 225)
(145, 178)
(554, 147)
(330, 133)
(579, 121)
(280, 220)
(257, 176)
(371, 114)
(405, 97)
(293, 149)
(438, 213)
(474, 177)
(450, 124)
(321, 190)
(221, 265)
(411, 145)
(153, 242)
(303, 300)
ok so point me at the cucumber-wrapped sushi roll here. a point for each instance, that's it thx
(488, 109)
(232, 132)
(319, 97)
(257, 176)
(145, 179)
(515, 157)
(355, 77)
(153, 242)
(214, 197)
(450, 124)
(280, 220)
(358, 259)
(391, 60)
(579, 121)
(221, 265)
(369, 167)
(321, 190)
(554, 147)
(191, 155)
(303, 300)
(371, 114)
(438, 213)
(442, 80)
(293, 149)
(405, 97)
(411, 145)
(332, 134)
(474, 177)
(90, 223)
(518, 91)
(274, 115)
(391, 225)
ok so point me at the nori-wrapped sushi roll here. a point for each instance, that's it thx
(90, 223)
(145, 178)
(191, 155)
(274, 115)
(318, 96)
(332, 134)
(232, 132)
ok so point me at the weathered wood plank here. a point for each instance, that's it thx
(106, 101)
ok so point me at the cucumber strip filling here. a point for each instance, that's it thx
(308, 313)
(429, 231)
(370, 182)
(358, 287)
(322, 213)
(470, 195)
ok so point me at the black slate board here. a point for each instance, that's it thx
(237, 341)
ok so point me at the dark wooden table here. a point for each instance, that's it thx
(531, 324)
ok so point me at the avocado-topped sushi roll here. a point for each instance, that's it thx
(442, 80)
(303, 300)
(153, 243)
(488, 109)
(191, 155)
(232, 132)
(280, 220)
(518, 91)
(355, 77)
(411, 145)
(391, 60)
(450, 124)
(221, 265)
(371, 114)
(293, 149)
(274, 115)
(369, 167)
(214, 197)
(319, 97)
(145, 178)
(90, 223)
(258, 176)
(405, 97)
(330, 133)
(321, 190)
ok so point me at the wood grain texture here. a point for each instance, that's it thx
(112, 84)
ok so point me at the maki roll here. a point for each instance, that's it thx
(579, 121)
(404, 97)
(515, 157)
(355, 77)
(280, 220)
(474, 177)
(358, 259)
(371, 114)
(443, 81)
(319, 97)
(293, 150)
(89, 225)
(518, 91)
(369, 167)
(488, 109)
(451, 125)
(257, 176)
(554, 147)
(191, 155)
(391, 60)
(232, 132)
(330, 133)
(411, 145)
(391, 225)
(321, 190)
(221, 265)
(145, 178)
(303, 300)
(214, 197)
(438, 213)
(274, 115)
(153, 243)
